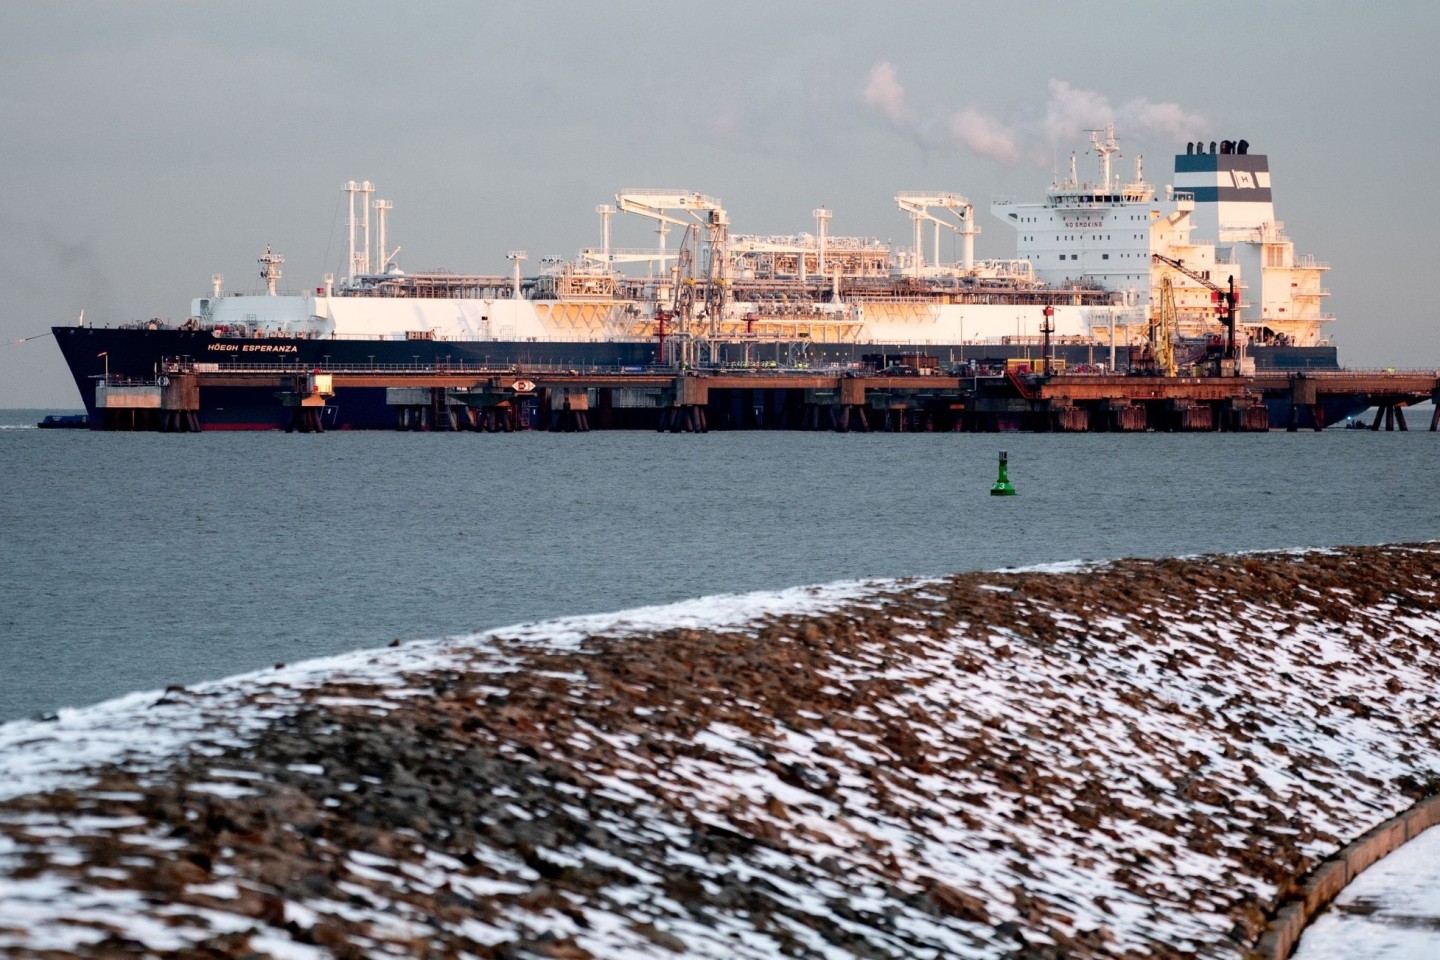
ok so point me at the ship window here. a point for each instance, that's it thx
(1104, 256)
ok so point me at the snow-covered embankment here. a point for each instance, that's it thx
(1136, 757)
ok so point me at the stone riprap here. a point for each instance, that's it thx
(1135, 758)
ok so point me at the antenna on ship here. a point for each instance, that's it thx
(270, 270)
(1109, 146)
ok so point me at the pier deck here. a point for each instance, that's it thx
(461, 397)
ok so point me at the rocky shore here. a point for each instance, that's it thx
(1138, 758)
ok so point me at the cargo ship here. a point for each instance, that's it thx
(1108, 274)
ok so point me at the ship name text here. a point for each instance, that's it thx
(254, 347)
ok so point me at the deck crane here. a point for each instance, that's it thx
(1227, 302)
(699, 211)
(1162, 330)
(918, 206)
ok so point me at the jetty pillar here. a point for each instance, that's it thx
(1187, 416)
(1303, 393)
(569, 409)
(820, 411)
(1069, 418)
(1123, 416)
(124, 406)
(1245, 415)
(423, 408)
(305, 396)
(179, 403)
(686, 412)
(1393, 413)
(852, 407)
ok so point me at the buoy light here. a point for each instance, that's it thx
(1003, 487)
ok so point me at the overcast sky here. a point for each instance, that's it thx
(149, 144)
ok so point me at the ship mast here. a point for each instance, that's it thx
(1105, 149)
(269, 271)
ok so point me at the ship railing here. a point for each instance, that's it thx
(1351, 372)
(120, 380)
(459, 368)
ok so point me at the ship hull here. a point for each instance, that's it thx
(135, 355)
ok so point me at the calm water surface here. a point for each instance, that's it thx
(133, 561)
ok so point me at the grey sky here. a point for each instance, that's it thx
(151, 143)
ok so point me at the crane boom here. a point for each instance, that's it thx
(1162, 330)
(655, 203)
(1227, 295)
(918, 206)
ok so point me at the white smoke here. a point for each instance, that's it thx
(1069, 112)
(1161, 118)
(884, 93)
(983, 134)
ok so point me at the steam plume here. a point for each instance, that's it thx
(1069, 112)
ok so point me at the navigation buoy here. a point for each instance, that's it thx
(1003, 487)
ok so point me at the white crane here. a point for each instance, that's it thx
(918, 206)
(655, 204)
(698, 211)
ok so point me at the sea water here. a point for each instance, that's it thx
(134, 561)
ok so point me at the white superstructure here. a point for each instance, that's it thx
(1086, 251)
(1218, 218)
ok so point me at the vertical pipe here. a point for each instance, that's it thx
(350, 187)
(919, 244)
(366, 188)
(969, 235)
(605, 210)
(1112, 338)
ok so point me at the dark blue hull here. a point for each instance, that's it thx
(136, 354)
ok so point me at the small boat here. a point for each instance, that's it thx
(65, 421)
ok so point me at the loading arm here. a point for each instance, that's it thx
(1227, 298)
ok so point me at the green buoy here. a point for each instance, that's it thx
(1003, 487)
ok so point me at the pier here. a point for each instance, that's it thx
(900, 398)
